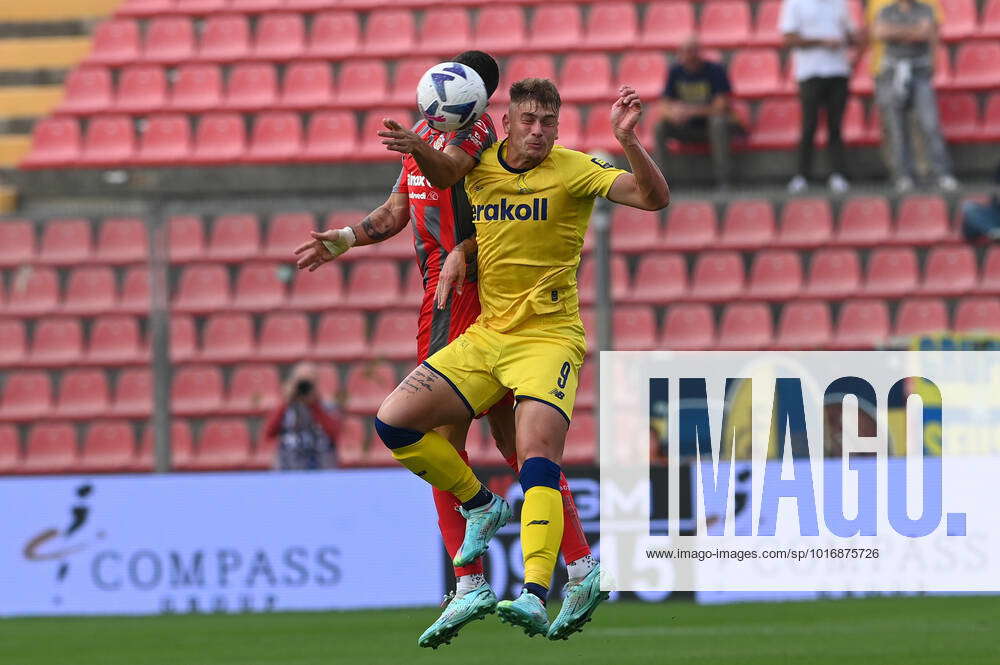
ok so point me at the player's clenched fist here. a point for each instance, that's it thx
(325, 246)
(626, 111)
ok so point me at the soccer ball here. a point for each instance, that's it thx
(451, 96)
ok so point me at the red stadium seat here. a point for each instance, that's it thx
(394, 336)
(114, 338)
(718, 275)
(317, 290)
(633, 328)
(861, 324)
(87, 90)
(570, 127)
(280, 37)
(17, 243)
(390, 32)
(978, 314)
(745, 326)
(165, 139)
(54, 142)
(500, 29)
(307, 85)
(133, 393)
(445, 31)
(259, 287)
(990, 24)
(181, 447)
(373, 284)
(109, 140)
(755, 72)
(975, 65)
(196, 88)
(169, 39)
(284, 337)
(585, 77)
(990, 282)
(556, 27)
(122, 240)
(688, 327)
(370, 147)
(611, 25)
(950, 271)
(341, 336)
(766, 32)
(918, 316)
(959, 19)
(959, 114)
(864, 221)
(135, 291)
(834, 273)
(51, 449)
(224, 444)
(234, 237)
(407, 75)
(109, 447)
(33, 291)
(334, 34)
(991, 119)
(141, 88)
(777, 124)
(691, 225)
(285, 232)
(587, 279)
(196, 391)
(26, 395)
(748, 223)
(351, 442)
(183, 339)
(220, 138)
(598, 135)
(186, 238)
(228, 337)
(56, 341)
(806, 222)
(524, 66)
(90, 290)
(725, 23)
(367, 385)
(364, 83)
(667, 24)
(254, 389)
(331, 135)
(225, 38)
(581, 440)
(194, 7)
(66, 242)
(804, 325)
(647, 72)
(891, 272)
(116, 42)
(10, 449)
(203, 289)
(13, 344)
(854, 128)
(252, 86)
(277, 137)
(921, 220)
(775, 274)
(83, 393)
(634, 230)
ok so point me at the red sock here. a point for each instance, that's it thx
(574, 543)
(452, 526)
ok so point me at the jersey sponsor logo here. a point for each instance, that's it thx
(415, 180)
(425, 196)
(506, 211)
(600, 162)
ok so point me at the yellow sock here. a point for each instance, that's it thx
(541, 533)
(436, 461)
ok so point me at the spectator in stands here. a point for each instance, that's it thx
(305, 426)
(819, 32)
(906, 80)
(696, 109)
(981, 221)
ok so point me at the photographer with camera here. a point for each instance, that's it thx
(305, 427)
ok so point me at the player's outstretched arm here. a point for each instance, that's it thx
(382, 223)
(442, 168)
(645, 187)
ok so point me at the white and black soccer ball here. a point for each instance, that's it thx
(451, 96)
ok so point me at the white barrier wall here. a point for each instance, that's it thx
(217, 542)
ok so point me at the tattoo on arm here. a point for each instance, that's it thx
(378, 226)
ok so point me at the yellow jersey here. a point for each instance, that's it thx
(530, 225)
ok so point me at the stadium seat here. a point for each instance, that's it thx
(114, 338)
(279, 37)
(165, 139)
(597, 132)
(990, 130)
(56, 341)
(364, 83)
(227, 337)
(224, 444)
(367, 385)
(307, 85)
(990, 24)
(195, 7)
(234, 237)
(555, 27)
(585, 77)
(196, 391)
(647, 72)
(90, 290)
(745, 326)
(864, 221)
(806, 223)
(523, 66)
(169, 39)
(133, 393)
(373, 284)
(186, 238)
(990, 281)
(317, 290)
(390, 32)
(718, 275)
(284, 337)
(978, 314)
(500, 29)
(766, 32)
(334, 34)
(804, 325)
(196, 87)
(83, 393)
(660, 279)
(581, 440)
(220, 138)
(755, 72)
(115, 42)
(959, 115)
(667, 25)
(109, 447)
(959, 19)
(135, 291)
(108, 141)
(225, 38)
(17, 244)
(203, 289)
(775, 274)
(633, 328)
(254, 389)
(854, 128)
(611, 25)
(587, 279)
(51, 448)
(54, 142)
(26, 395)
(921, 220)
(917, 316)
(399, 246)
(950, 271)
(833, 273)
(445, 31)
(975, 65)
(285, 232)
(394, 336)
(181, 447)
(369, 146)
(10, 449)
(141, 88)
(777, 124)
(691, 225)
(351, 442)
(406, 75)
(891, 272)
(341, 336)
(725, 23)
(634, 230)
(748, 223)
(87, 90)
(277, 137)
(330, 136)
(122, 240)
(259, 287)
(183, 340)
(252, 86)
(861, 324)
(688, 327)
(33, 291)
(13, 342)
(570, 127)
(66, 242)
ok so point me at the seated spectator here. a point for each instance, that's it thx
(906, 81)
(696, 109)
(981, 221)
(306, 428)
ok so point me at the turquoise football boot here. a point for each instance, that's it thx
(527, 611)
(459, 611)
(480, 526)
(582, 598)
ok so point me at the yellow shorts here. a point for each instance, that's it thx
(542, 365)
